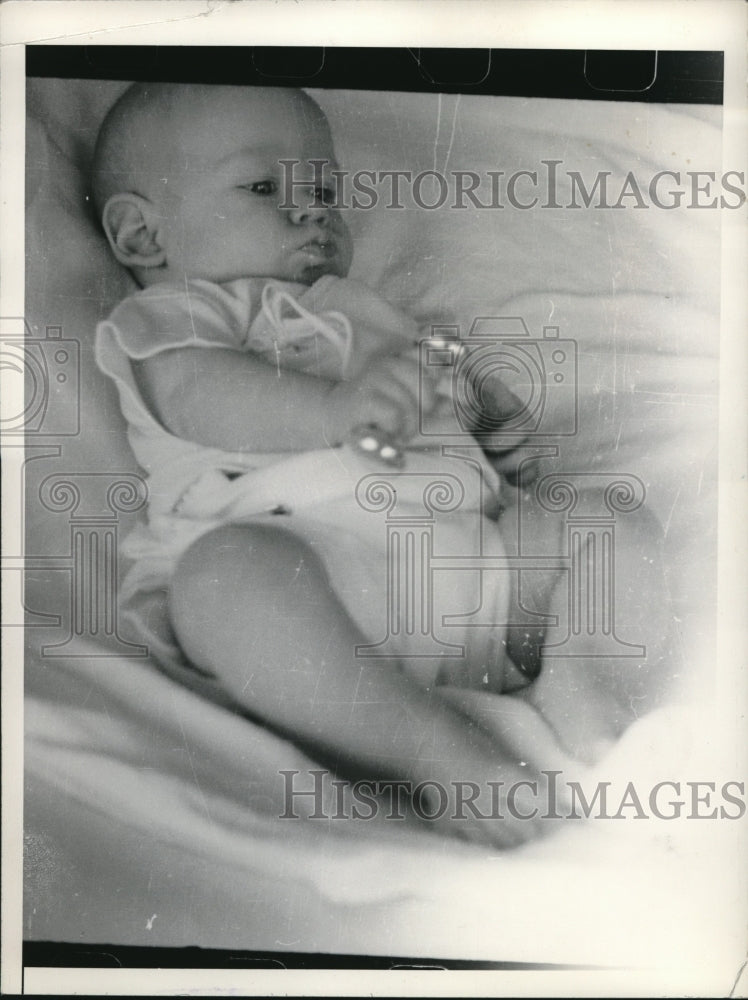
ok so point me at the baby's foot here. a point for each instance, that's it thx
(494, 803)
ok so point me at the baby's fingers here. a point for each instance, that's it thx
(388, 408)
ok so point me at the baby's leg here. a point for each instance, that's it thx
(591, 698)
(253, 604)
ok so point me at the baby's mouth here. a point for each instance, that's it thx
(319, 249)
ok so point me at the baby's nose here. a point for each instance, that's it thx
(310, 209)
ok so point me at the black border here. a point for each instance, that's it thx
(51, 954)
(591, 75)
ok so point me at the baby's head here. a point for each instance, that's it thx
(188, 184)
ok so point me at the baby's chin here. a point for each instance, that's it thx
(310, 273)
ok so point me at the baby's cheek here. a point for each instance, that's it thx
(205, 237)
(345, 241)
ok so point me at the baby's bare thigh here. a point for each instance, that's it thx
(407, 591)
(249, 574)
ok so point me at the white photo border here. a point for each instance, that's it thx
(620, 24)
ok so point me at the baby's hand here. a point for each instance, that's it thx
(389, 395)
(373, 345)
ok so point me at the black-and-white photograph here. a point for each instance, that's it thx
(367, 472)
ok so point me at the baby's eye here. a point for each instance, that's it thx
(262, 187)
(325, 195)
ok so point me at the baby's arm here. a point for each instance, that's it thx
(238, 402)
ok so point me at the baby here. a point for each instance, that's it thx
(247, 365)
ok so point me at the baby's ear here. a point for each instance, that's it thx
(132, 228)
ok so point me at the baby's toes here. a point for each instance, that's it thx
(498, 813)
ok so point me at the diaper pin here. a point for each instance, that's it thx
(372, 440)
